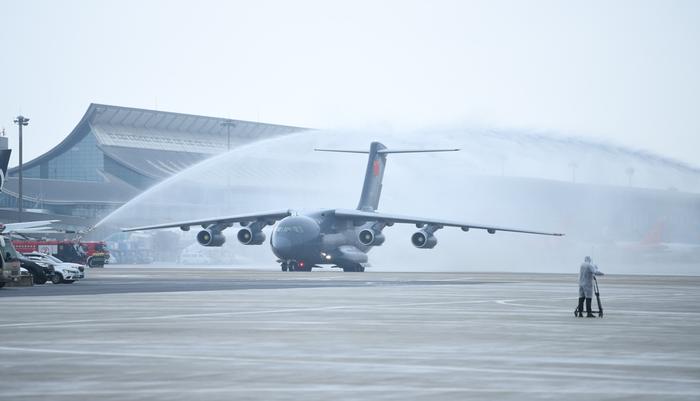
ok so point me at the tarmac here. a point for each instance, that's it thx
(144, 333)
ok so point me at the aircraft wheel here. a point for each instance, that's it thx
(354, 268)
(293, 267)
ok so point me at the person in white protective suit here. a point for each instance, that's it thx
(585, 286)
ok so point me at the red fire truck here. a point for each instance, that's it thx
(90, 253)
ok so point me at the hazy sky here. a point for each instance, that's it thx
(626, 72)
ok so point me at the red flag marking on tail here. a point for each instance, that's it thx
(376, 168)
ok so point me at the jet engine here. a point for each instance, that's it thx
(423, 239)
(246, 236)
(370, 237)
(210, 237)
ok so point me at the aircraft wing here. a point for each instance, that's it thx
(27, 225)
(270, 216)
(361, 216)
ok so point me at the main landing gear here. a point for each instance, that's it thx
(294, 266)
(353, 267)
(301, 266)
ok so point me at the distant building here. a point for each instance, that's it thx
(114, 153)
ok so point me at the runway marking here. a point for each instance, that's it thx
(365, 365)
(343, 388)
(505, 302)
(515, 302)
(286, 310)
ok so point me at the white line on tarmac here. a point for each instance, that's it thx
(505, 302)
(365, 365)
(355, 389)
(191, 315)
(516, 302)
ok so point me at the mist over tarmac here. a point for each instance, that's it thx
(608, 200)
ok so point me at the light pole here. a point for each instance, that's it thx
(630, 172)
(21, 121)
(228, 124)
(573, 166)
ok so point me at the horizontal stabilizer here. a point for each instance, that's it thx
(341, 151)
(415, 150)
(387, 151)
(4, 161)
(376, 162)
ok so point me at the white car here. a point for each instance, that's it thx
(64, 272)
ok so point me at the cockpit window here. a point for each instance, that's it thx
(290, 229)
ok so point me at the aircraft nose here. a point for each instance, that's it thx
(282, 245)
(293, 236)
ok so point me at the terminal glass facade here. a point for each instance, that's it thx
(82, 162)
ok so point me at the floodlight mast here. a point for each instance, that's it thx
(21, 121)
(228, 124)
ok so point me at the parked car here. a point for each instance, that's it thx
(41, 271)
(64, 272)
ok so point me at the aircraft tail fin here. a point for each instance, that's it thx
(374, 174)
(4, 162)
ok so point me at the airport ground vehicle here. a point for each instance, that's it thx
(90, 253)
(132, 248)
(64, 272)
(41, 272)
(10, 268)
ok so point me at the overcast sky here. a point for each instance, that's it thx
(625, 72)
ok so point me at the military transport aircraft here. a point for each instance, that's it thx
(337, 237)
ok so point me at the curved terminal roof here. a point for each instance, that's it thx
(139, 147)
(155, 142)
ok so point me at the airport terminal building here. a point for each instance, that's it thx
(114, 153)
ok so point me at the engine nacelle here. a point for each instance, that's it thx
(423, 239)
(210, 238)
(246, 236)
(370, 237)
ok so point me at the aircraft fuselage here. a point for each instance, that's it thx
(318, 238)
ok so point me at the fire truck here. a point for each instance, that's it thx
(90, 253)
